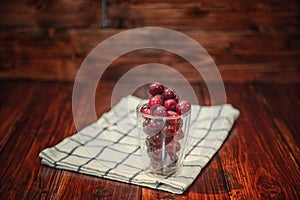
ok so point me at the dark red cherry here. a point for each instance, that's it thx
(145, 109)
(176, 98)
(158, 110)
(152, 126)
(155, 88)
(156, 141)
(167, 132)
(171, 113)
(155, 100)
(168, 93)
(179, 135)
(174, 114)
(183, 107)
(171, 129)
(173, 146)
(157, 153)
(170, 104)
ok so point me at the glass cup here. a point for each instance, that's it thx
(163, 141)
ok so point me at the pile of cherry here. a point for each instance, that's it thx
(163, 125)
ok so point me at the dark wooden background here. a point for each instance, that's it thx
(255, 44)
(248, 40)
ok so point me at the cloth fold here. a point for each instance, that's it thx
(110, 147)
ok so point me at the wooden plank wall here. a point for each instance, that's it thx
(250, 41)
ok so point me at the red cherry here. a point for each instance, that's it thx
(157, 153)
(176, 99)
(168, 93)
(157, 99)
(174, 114)
(170, 104)
(158, 110)
(147, 129)
(183, 107)
(155, 88)
(173, 146)
(167, 132)
(171, 129)
(179, 135)
(152, 126)
(145, 109)
(171, 113)
(156, 141)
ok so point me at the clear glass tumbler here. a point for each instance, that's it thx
(163, 141)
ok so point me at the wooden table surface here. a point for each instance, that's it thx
(259, 159)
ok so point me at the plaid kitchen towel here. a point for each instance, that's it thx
(110, 148)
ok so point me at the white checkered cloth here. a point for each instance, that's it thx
(110, 148)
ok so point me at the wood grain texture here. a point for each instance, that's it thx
(204, 15)
(249, 42)
(275, 102)
(257, 161)
(63, 13)
(262, 155)
(54, 54)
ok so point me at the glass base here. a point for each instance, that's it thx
(166, 171)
